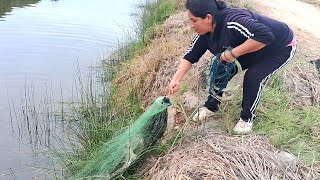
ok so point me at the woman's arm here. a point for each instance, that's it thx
(184, 67)
(248, 46)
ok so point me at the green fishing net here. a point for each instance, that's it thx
(115, 156)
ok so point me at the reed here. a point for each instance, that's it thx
(97, 118)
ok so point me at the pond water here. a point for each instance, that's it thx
(44, 46)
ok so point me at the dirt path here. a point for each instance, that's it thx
(303, 18)
(295, 13)
(302, 76)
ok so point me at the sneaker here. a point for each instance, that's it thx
(242, 127)
(202, 114)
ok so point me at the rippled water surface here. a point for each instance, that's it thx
(43, 46)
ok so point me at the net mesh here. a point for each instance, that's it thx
(115, 156)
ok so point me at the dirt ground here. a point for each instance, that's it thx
(301, 17)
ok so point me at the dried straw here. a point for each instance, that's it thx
(220, 156)
(305, 82)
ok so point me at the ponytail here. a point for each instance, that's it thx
(221, 4)
(200, 8)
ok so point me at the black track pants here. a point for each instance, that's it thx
(254, 81)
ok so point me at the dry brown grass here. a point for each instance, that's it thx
(216, 155)
(313, 2)
(220, 156)
(150, 71)
(304, 81)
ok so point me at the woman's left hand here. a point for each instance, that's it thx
(226, 56)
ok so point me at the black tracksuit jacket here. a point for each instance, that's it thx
(234, 27)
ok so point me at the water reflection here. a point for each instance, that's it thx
(6, 6)
(43, 46)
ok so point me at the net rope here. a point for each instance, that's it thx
(220, 74)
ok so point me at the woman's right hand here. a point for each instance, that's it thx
(183, 68)
(173, 86)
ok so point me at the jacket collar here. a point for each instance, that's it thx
(218, 16)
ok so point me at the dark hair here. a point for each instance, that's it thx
(200, 8)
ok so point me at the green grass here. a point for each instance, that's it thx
(97, 119)
(288, 125)
(154, 14)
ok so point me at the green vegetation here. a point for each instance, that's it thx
(99, 118)
(6, 5)
(289, 126)
(114, 157)
(149, 16)
(154, 14)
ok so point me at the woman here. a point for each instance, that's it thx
(261, 45)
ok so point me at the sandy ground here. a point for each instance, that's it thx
(294, 13)
(303, 18)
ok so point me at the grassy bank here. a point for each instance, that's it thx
(128, 85)
(289, 126)
(98, 118)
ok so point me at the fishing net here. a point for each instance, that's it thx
(220, 74)
(115, 156)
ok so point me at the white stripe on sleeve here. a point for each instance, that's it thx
(195, 39)
(243, 30)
